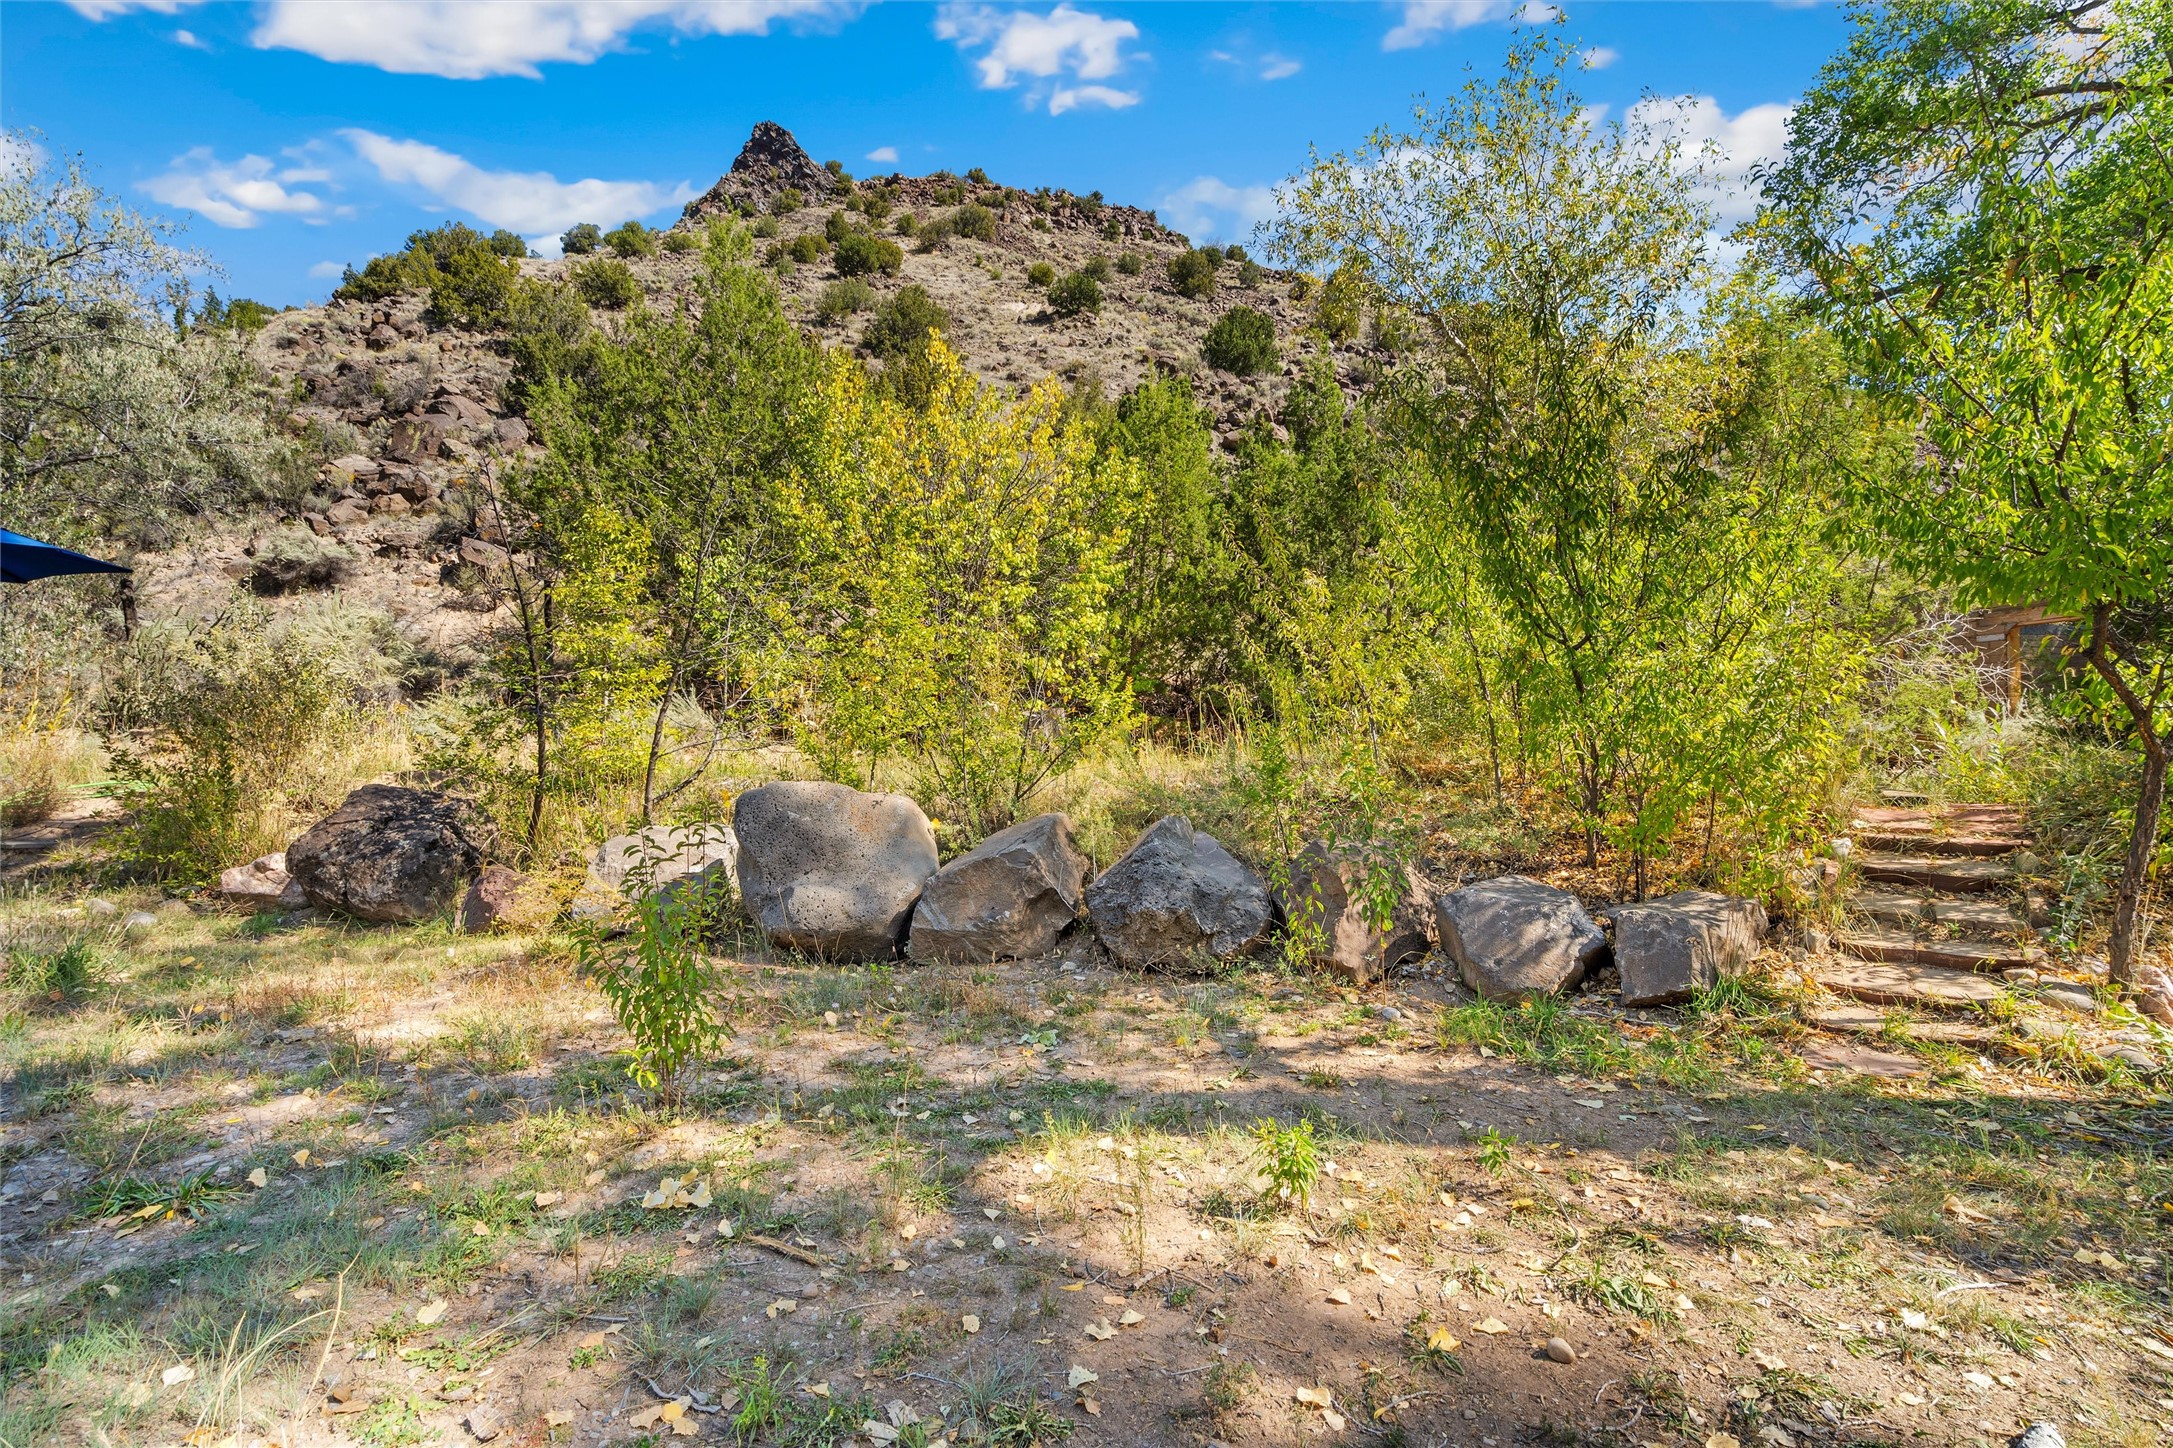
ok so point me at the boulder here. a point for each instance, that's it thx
(345, 512)
(1178, 894)
(1513, 937)
(667, 859)
(391, 853)
(491, 900)
(1669, 948)
(1007, 898)
(1328, 892)
(831, 871)
(262, 884)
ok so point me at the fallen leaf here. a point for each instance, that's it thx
(1080, 1376)
(1442, 1340)
(1914, 1320)
(1100, 1331)
(1768, 1361)
(783, 1305)
(1131, 1318)
(301, 1158)
(1722, 1440)
(1492, 1327)
(1317, 1397)
(817, 1390)
(430, 1312)
(549, 1199)
(1340, 1297)
(557, 1418)
(1072, 1287)
(1333, 1419)
(970, 1323)
(258, 1178)
(1962, 1211)
(178, 1373)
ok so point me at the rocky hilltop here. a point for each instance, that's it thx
(412, 414)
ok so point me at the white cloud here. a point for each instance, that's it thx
(884, 155)
(107, 9)
(1208, 206)
(1068, 98)
(1278, 67)
(1599, 57)
(1065, 43)
(191, 39)
(1425, 19)
(1727, 146)
(467, 41)
(19, 155)
(236, 194)
(524, 201)
(326, 270)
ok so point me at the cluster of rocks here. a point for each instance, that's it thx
(839, 874)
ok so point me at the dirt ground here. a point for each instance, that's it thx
(300, 1181)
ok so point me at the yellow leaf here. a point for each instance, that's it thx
(258, 1178)
(1442, 1340)
(1100, 1331)
(301, 1158)
(1340, 1297)
(430, 1312)
(782, 1305)
(970, 1323)
(1073, 1287)
(557, 1418)
(1317, 1397)
(177, 1374)
(1333, 1419)
(1080, 1376)
(1492, 1327)
(1131, 1318)
(548, 1199)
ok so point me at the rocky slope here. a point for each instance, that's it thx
(412, 415)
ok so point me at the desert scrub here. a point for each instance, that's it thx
(1075, 295)
(1242, 341)
(298, 561)
(605, 282)
(902, 323)
(631, 240)
(1192, 275)
(842, 298)
(858, 254)
(974, 221)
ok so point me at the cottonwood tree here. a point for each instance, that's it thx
(1981, 195)
(110, 420)
(1579, 404)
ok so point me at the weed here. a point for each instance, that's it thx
(1495, 1150)
(763, 1402)
(1289, 1157)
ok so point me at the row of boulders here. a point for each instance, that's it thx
(833, 872)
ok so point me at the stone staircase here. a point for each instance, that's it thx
(1939, 910)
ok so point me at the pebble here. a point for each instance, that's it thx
(1389, 1013)
(1560, 1350)
(96, 906)
(136, 922)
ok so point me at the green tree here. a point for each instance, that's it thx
(581, 239)
(630, 239)
(1242, 341)
(1981, 196)
(1576, 406)
(111, 423)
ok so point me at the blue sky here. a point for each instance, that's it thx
(292, 136)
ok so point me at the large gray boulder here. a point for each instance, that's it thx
(1007, 898)
(667, 860)
(1178, 895)
(262, 884)
(1513, 937)
(393, 854)
(1669, 948)
(829, 870)
(1328, 901)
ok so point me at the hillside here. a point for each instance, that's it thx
(411, 413)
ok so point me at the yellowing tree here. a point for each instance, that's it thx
(960, 560)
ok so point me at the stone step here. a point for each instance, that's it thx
(1887, 983)
(1888, 907)
(1917, 949)
(1976, 919)
(1965, 830)
(1959, 876)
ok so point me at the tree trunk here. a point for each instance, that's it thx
(2149, 806)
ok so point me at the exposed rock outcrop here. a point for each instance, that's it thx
(1667, 949)
(262, 884)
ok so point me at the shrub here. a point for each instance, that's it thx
(974, 221)
(473, 289)
(902, 323)
(677, 241)
(298, 561)
(1288, 1158)
(1075, 295)
(787, 201)
(1192, 274)
(1097, 267)
(977, 176)
(1341, 310)
(657, 980)
(907, 224)
(581, 239)
(1233, 252)
(1212, 255)
(859, 254)
(765, 227)
(1112, 228)
(549, 337)
(631, 239)
(1131, 263)
(843, 298)
(837, 169)
(605, 281)
(1251, 274)
(416, 267)
(1241, 341)
(836, 227)
(1041, 274)
(875, 205)
(807, 249)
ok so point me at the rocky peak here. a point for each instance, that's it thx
(770, 162)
